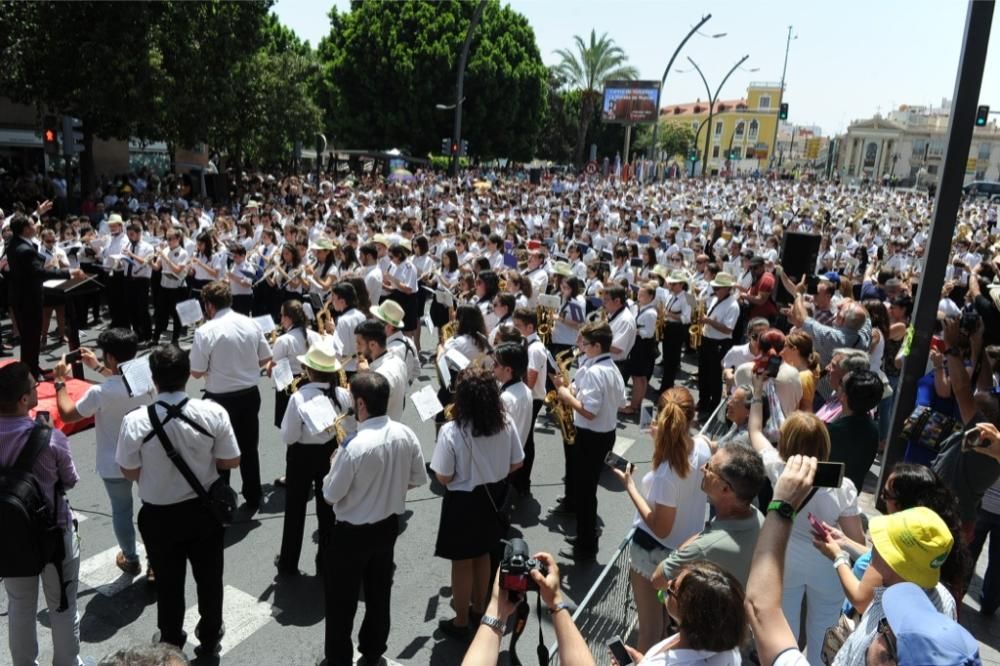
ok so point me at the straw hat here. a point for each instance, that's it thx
(680, 276)
(723, 280)
(321, 358)
(115, 218)
(322, 243)
(389, 312)
(562, 268)
(380, 239)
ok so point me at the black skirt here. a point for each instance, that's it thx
(411, 308)
(469, 525)
(642, 357)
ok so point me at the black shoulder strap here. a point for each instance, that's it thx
(38, 440)
(177, 412)
(174, 456)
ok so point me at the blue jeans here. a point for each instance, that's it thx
(120, 494)
(988, 524)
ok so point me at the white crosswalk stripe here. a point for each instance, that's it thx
(243, 614)
(622, 445)
(99, 572)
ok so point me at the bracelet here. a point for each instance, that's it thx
(100, 369)
(842, 558)
(561, 606)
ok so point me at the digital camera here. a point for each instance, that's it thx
(516, 567)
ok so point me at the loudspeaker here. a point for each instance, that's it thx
(799, 254)
(217, 188)
(535, 176)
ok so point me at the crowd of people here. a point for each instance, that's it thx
(575, 295)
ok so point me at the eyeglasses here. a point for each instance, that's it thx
(707, 468)
(890, 638)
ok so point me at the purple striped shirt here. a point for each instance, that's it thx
(54, 463)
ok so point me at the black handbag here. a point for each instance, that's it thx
(219, 499)
(929, 429)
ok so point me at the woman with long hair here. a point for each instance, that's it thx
(798, 353)
(670, 507)
(706, 603)
(206, 264)
(447, 279)
(807, 572)
(294, 341)
(474, 455)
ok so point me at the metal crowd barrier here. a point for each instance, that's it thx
(608, 609)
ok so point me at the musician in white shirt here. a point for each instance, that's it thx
(373, 355)
(643, 354)
(55, 259)
(622, 323)
(345, 304)
(718, 327)
(677, 318)
(391, 315)
(241, 275)
(173, 267)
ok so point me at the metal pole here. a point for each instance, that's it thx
(711, 103)
(781, 96)
(968, 82)
(628, 141)
(663, 79)
(456, 135)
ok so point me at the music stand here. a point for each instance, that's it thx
(70, 290)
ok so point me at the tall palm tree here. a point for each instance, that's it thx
(587, 68)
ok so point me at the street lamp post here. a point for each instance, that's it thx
(711, 104)
(663, 79)
(781, 95)
(456, 135)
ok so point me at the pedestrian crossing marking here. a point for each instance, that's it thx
(242, 613)
(622, 445)
(99, 572)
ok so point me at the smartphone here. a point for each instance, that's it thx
(73, 357)
(617, 647)
(828, 475)
(43, 417)
(973, 439)
(773, 365)
(818, 526)
(616, 461)
(938, 344)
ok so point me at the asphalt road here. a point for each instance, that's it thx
(272, 620)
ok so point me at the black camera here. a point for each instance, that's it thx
(516, 567)
(969, 321)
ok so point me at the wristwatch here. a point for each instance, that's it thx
(783, 509)
(558, 607)
(493, 623)
(60, 385)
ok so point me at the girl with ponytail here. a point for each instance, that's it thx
(670, 506)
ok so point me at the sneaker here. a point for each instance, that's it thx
(132, 568)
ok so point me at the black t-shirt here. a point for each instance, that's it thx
(854, 442)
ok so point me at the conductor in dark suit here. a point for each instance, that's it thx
(28, 272)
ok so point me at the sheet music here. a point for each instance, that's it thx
(281, 373)
(442, 364)
(265, 324)
(54, 284)
(138, 377)
(318, 414)
(190, 312)
(307, 308)
(430, 324)
(458, 358)
(549, 301)
(444, 297)
(426, 402)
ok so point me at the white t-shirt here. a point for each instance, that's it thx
(108, 403)
(664, 486)
(517, 400)
(493, 457)
(658, 656)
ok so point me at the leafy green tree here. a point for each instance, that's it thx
(386, 65)
(673, 138)
(586, 69)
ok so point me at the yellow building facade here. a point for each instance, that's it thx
(742, 129)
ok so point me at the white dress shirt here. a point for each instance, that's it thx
(538, 360)
(373, 282)
(370, 475)
(516, 397)
(679, 306)
(293, 344)
(160, 481)
(144, 251)
(168, 278)
(645, 321)
(230, 348)
(601, 390)
(241, 278)
(726, 312)
(344, 339)
(394, 370)
(108, 403)
(403, 348)
(473, 461)
(623, 331)
(293, 428)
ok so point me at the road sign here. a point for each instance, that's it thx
(591, 168)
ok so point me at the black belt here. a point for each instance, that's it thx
(378, 523)
(231, 394)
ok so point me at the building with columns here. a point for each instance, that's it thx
(909, 146)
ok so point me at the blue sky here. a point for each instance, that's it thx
(849, 59)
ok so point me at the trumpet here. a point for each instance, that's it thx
(694, 332)
(560, 412)
(661, 323)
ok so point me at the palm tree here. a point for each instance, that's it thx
(586, 69)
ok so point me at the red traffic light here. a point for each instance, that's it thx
(454, 148)
(50, 136)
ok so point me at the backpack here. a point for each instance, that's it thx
(32, 536)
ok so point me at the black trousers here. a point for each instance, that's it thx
(305, 467)
(674, 337)
(174, 535)
(356, 556)
(243, 408)
(29, 325)
(92, 302)
(137, 300)
(710, 356)
(117, 300)
(243, 303)
(587, 463)
(521, 478)
(166, 308)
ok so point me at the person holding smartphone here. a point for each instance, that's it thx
(807, 572)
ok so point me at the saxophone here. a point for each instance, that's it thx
(694, 332)
(448, 331)
(545, 320)
(560, 412)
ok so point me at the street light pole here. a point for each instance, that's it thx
(711, 104)
(456, 135)
(781, 96)
(663, 81)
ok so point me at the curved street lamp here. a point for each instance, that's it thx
(712, 99)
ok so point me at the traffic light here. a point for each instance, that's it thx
(465, 148)
(783, 111)
(72, 136)
(454, 149)
(693, 155)
(446, 146)
(50, 135)
(982, 115)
